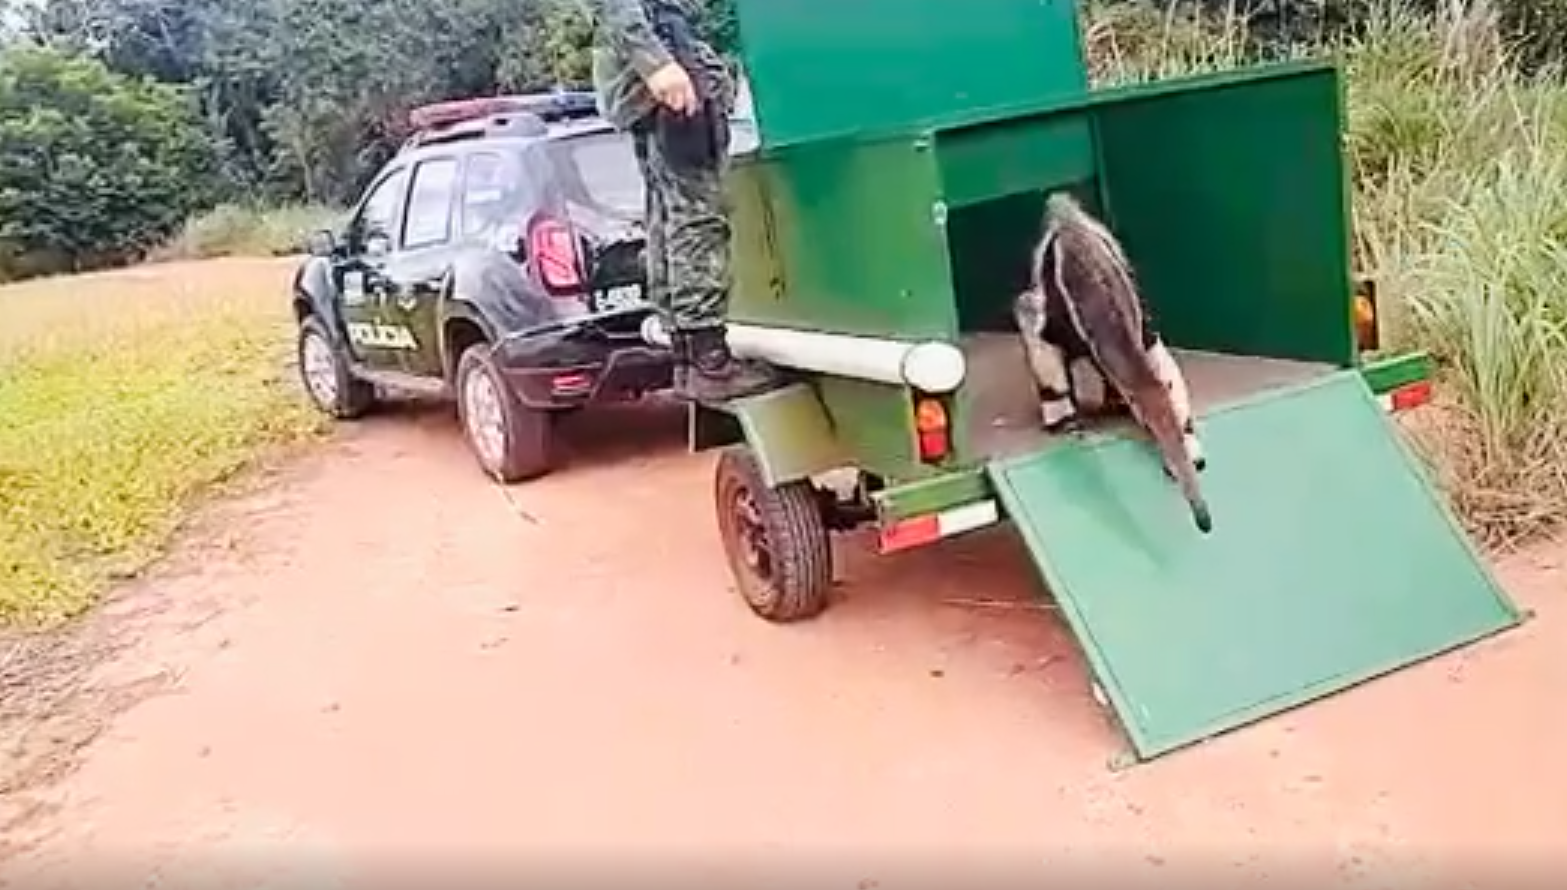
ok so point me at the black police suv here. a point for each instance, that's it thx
(497, 259)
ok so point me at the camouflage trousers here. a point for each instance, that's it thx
(688, 249)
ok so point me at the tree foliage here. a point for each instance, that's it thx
(138, 106)
(304, 98)
(94, 166)
(721, 26)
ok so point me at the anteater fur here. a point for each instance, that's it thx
(1084, 300)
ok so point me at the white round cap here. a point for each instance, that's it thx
(934, 367)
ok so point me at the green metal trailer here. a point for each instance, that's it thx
(883, 226)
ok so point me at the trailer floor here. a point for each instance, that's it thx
(1005, 419)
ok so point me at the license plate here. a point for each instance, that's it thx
(623, 296)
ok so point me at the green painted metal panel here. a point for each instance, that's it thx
(790, 433)
(844, 237)
(1031, 154)
(1229, 193)
(874, 423)
(988, 246)
(820, 68)
(709, 428)
(1331, 561)
(995, 179)
(918, 498)
(1388, 374)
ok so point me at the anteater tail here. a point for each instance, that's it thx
(1094, 278)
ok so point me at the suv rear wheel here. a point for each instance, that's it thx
(511, 441)
(323, 369)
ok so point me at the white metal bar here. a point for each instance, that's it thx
(842, 355)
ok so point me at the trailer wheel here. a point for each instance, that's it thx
(775, 540)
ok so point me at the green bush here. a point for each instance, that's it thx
(95, 167)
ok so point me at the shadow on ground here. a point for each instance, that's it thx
(595, 437)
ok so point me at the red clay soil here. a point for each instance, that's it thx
(381, 665)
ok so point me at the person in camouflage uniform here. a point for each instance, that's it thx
(672, 91)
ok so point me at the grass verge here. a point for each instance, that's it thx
(250, 230)
(123, 396)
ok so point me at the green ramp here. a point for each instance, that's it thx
(1331, 561)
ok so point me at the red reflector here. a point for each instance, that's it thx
(1411, 395)
(933, 444)
(910, 533)
(930, 427)
(572, 381)
(444, 114)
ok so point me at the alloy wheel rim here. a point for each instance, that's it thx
(320, 370)
(486, 424)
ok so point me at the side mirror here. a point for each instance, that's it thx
(378, 244)
(321, 243)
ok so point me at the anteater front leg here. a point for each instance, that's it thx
(1057, 407)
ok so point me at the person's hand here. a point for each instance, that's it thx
(672, 87)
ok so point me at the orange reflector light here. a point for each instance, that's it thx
(929, 416)
(1411, 395)
(1365, 313)
(930, 425)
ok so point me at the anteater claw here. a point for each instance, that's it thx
(1065, 426)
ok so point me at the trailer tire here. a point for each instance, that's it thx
(775, 540)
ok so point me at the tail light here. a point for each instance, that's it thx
(552, 247)
(932, 430)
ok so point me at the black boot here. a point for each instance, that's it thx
(708, 373)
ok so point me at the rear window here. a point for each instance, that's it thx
(601, 171)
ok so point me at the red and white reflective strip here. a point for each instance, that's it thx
(1410, 395)
(917, 531)
(571, 383)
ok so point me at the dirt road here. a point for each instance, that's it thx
(380, 665)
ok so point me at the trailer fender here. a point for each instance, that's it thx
(789, 431)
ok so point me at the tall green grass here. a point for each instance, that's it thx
(253, 230)
(1459, 167)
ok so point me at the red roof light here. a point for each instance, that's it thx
(445, 114)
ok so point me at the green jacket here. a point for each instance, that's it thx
(626, 51)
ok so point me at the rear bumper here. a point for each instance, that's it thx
(914, 514)
(584, 361)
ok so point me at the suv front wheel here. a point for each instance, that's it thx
(511, 441)
(323, 369)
